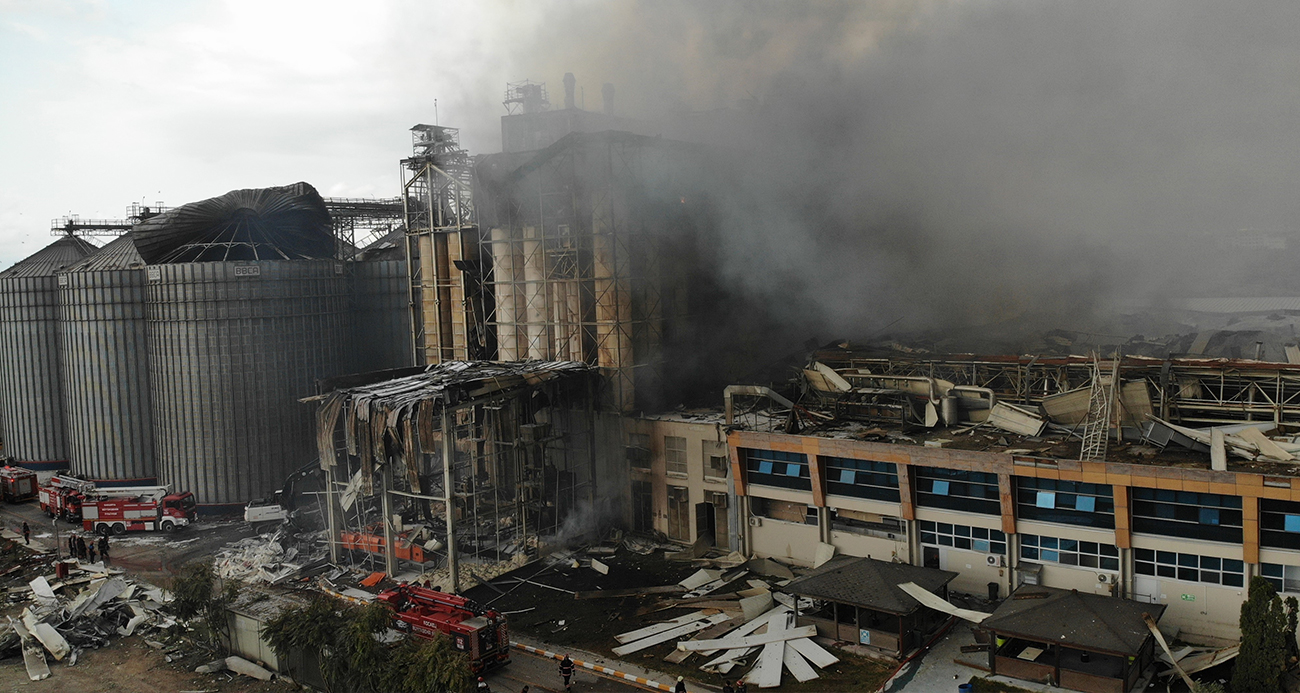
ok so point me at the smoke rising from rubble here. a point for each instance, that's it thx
(956, 163)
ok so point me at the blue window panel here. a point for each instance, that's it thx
(981, 545)
(765, 467)
(1209, 516)
(1292, 523)
(1051, 556)
(1085, 504)
(792, 469)
(1046, 499)
(846, 476)
(940, 488)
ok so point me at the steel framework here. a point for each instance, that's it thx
(1191, 391)
(575, 249)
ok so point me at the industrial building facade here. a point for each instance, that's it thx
(1150, 525)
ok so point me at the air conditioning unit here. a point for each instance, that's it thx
(755, 521)
(995, 560)
(1107, 578)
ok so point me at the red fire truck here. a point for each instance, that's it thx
(129, 510)
(17, 484)
(482, 634)
(62, 496)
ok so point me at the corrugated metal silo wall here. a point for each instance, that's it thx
(233, 346)
(106, 375)
(30, 394)
(381, 316)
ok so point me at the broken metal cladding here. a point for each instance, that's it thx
(30, 372)
(233, 346)
(522, 462)
(106, 365)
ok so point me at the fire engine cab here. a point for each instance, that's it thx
(62, 496)
(480, 633)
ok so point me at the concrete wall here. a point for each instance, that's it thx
(696, 479)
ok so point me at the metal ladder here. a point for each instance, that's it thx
(1096, 428)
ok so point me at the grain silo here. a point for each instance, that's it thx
(381, 313)
(106, 366)
(30, 374)
(247, 309)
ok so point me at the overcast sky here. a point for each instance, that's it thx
(107, 103)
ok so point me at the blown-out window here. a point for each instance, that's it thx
(861, 478)
(957, 489)
(1279, 524)
(1208, 516)
(776, 468)
(1065, 502)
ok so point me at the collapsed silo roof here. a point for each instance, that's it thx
(50, 259)
(289, 222)
(118, 254)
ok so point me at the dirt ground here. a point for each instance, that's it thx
(128, 666)
(591, 624)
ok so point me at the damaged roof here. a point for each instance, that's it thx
(1075, 619)
(404, 405)
(869, 583)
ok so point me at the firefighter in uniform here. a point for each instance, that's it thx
(566, 671)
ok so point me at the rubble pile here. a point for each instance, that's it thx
(273, 558)
(88, 608)
(737, 619)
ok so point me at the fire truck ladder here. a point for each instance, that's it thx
(1096, 428)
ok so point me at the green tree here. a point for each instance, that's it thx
(352, 656)
(196, 599)
(1259, 666)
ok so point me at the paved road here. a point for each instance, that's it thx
(543, 676)
(150, 555)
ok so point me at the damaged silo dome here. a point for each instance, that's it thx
(289, 222)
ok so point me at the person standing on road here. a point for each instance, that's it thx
(72, 546)
(103, 549)
(27, 534)
(482, 686)
(81, 547)
(566, 671)
(681, 685)
(741, 686)
(90, 551)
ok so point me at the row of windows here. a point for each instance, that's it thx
(1189, 567)
(861, 478)
(1065, 502)
(1183, 514)
(963, 537)
(1088, 554)
(776, 468)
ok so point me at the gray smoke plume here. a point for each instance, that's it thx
(956, 163)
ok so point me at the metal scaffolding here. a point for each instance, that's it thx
(442, 248)
(575, 245)
(462, 468)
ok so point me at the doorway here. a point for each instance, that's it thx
(679, 513)
(642, 506)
